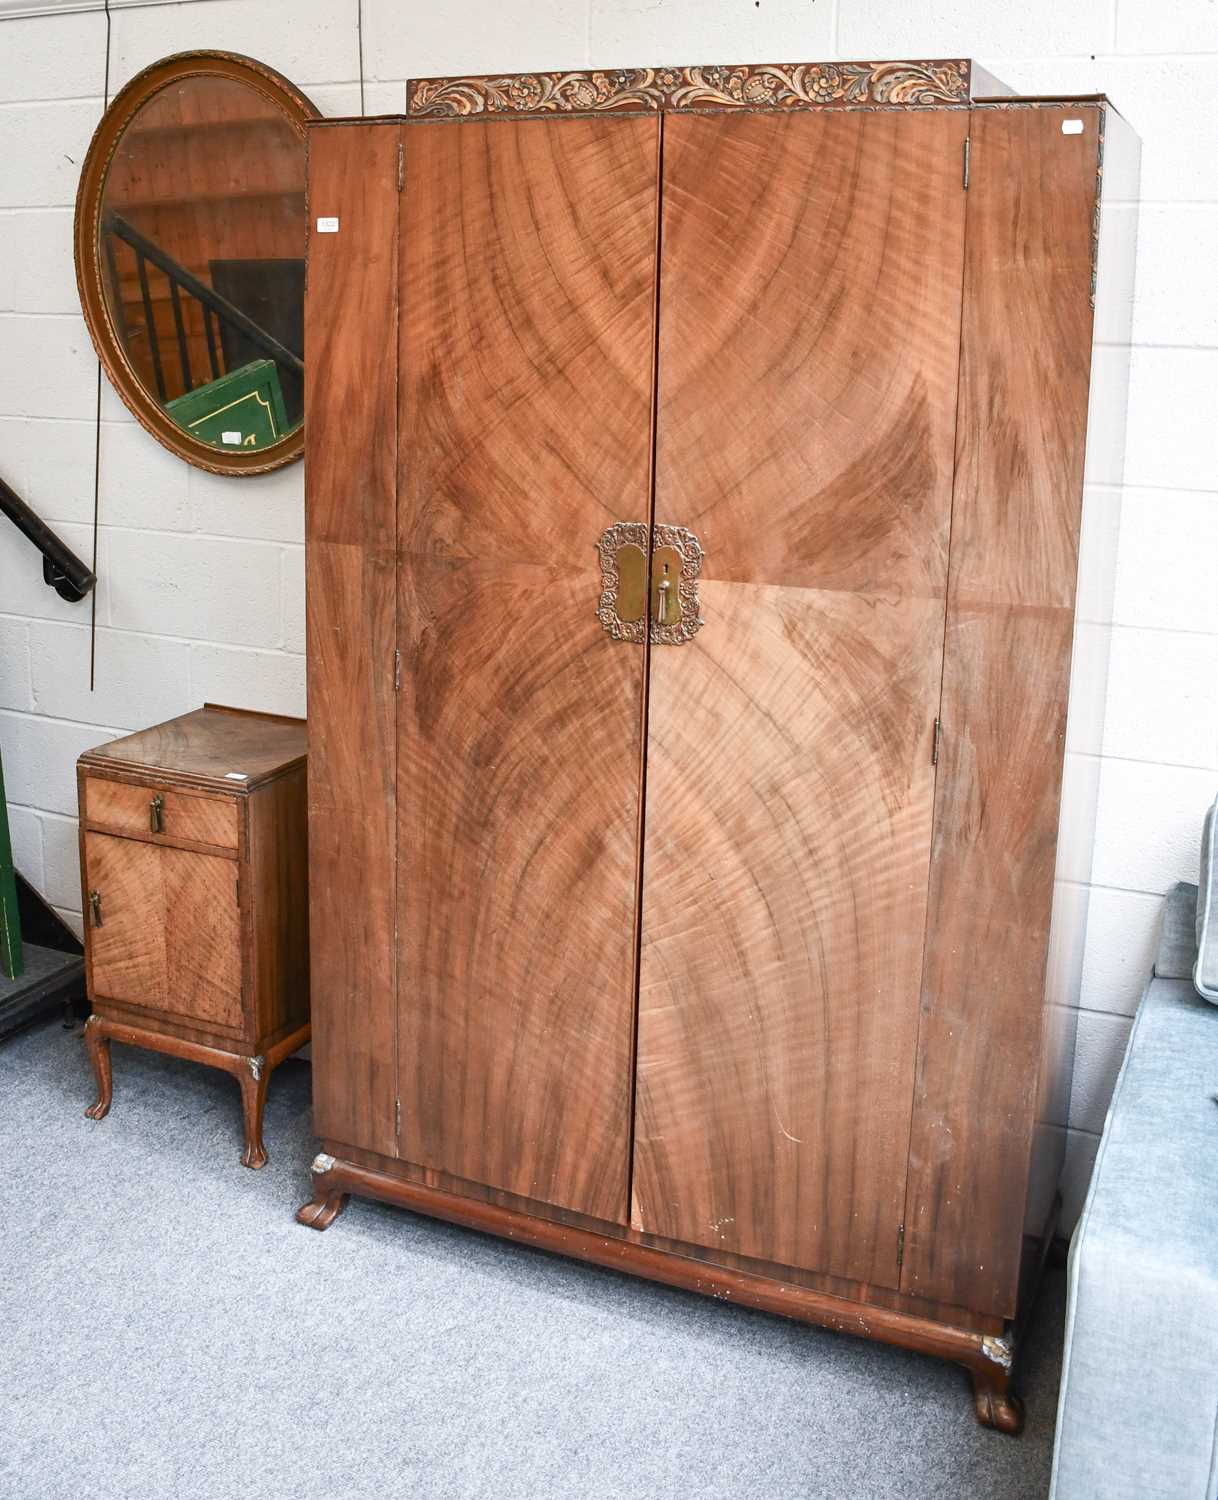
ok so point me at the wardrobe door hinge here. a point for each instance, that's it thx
(968, 146)
(900, 1246)
(934, 749)
(397, 1119)
(397, 670)
(401, 166)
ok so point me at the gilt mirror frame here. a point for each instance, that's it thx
(152, 416)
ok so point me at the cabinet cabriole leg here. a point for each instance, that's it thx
(253, 1081)
(99, 1055)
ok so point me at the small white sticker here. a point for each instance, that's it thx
(1072, 127)
(231, 437)
(236, 776)
(327, 226)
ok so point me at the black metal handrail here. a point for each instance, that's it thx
(61, 568)
(213, 304)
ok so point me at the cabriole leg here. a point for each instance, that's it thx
(253, 1081)
(99, 1055)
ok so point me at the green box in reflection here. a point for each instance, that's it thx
(243, 409)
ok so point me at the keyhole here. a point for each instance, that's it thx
(666, 606)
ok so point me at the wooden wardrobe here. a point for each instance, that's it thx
(694, 471)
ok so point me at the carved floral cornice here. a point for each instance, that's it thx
(751, 86)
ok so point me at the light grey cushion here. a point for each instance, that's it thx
(1178, 933)
(1138, 1414)
(1205, 974)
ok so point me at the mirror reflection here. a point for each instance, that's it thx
(202, 244)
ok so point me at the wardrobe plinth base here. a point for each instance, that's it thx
(987, 1358)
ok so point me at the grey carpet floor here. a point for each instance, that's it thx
(167, 1329)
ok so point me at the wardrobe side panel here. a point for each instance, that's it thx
(528, 277)
(1024, 380)
(350, 504)
(809, 340)
(1100, 531)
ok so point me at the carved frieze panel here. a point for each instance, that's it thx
(745, 86)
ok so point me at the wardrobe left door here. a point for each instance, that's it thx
(351, 603)
(528, 290)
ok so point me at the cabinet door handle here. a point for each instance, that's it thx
(95, 907)
(156, 813)
(666, 605)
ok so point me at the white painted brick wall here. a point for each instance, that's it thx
(202, 591)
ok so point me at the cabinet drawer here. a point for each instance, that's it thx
(120, 807)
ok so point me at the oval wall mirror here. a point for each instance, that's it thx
(190, 252)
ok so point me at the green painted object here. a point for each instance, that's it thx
(243, 409)
(11, 960)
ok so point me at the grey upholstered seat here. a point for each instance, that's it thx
(1138, 1417)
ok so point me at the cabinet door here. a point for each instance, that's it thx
(126, 923)
(810, 290)
(169, 933)
(526, 358)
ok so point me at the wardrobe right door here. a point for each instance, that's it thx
(809, 320)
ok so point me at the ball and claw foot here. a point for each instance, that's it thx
(99, 1055)
(996, 1406)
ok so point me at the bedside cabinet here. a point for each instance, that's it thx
(194, 861)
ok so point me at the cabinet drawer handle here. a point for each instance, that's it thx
(95, 907)
(156, 813)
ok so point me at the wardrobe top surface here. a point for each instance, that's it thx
(228, 748)
(932, 83)
(779, 88)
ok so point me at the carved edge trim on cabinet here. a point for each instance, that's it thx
(1102, 120)
(988, 1358)
(1101, 104)
(783, 86)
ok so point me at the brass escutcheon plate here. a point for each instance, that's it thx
(623, 603)
(676, 560)
(680, 550)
